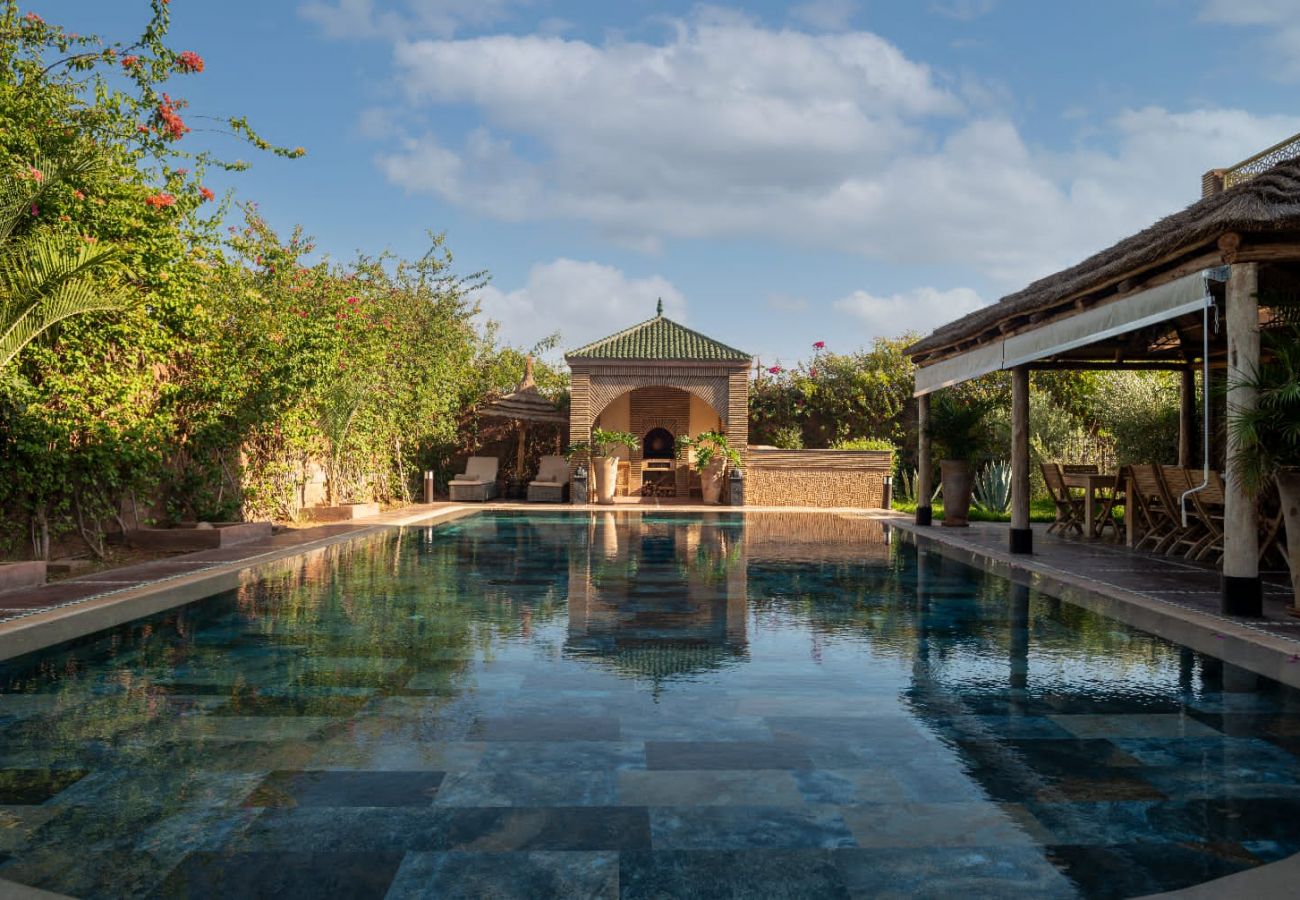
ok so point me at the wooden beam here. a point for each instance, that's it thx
(924, 490)
(1241, 585)
(1102, 366)
(1022, 538)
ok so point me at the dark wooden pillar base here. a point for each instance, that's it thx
(1242, 596)
(1022, 540)
(924, 515)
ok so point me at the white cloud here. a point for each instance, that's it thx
(827, 15)
(921, 310)
(368, 19)
(584, 301)
(1281, 18)
(729, 129)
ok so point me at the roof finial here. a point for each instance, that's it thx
(659, 310)
(528, 381)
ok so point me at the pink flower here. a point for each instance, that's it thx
(812, 373)
(774, 370)
(35, 174)
(34, 19)
(35, 210)
(820, 345)
(353, 301)
(189, 61)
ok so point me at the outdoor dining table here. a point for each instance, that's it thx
(1095, 487)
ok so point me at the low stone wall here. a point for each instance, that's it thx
(823, 478)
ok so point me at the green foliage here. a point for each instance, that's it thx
(834, 397)
(707, 448)
(225, 367)
(1138, 411)
(1267, 438)
(865, 444)
(993, 487)
(602, 442)
(958, 426)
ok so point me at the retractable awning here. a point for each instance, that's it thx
(1167, 301)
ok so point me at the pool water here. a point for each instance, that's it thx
(558, 704)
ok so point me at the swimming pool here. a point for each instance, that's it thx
(595, 704)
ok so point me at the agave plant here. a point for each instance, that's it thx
(993, 487)
(47, 277)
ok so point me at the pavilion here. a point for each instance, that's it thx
(660, 381)
(1152, 301)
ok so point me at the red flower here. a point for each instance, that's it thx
(35, 174)
(34, 19)
(774, 370)
(189, 61)
(820, 345)
(206, 194)
(812, 373)
(130, 61)
(169, 120)
(353, 301)
(143, 129)
(160, 200)
(79, 195)
(36, 211)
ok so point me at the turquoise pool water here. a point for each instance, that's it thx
(642, 705)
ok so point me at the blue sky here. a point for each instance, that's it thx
(779, 173)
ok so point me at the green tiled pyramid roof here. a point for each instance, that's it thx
(659, 338)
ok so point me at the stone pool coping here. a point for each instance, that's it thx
(1238, 641)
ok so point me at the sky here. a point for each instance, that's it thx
(778, 173)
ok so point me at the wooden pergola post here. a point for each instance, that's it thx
(1242, 592)
(1022, 536)
(1187, 419)
(924, 490)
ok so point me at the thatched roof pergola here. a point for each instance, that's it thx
(1145, 303)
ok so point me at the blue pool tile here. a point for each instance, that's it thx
(1141, 868)
(538, 875)
(346, 788)
(547, 828)
(325, 829)
(729, 875)
(725, 755)
(710, 787)
(305, 875)
(964, 872)
(748, 827)
(547, 728)
(524, 787)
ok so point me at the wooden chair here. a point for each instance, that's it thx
(1117, 498)
(1080, 469)
(1154, 520)
(1069, 509)
(1176, 481)
(1209, 511)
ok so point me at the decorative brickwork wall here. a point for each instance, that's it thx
(821, 478)
(659, 407)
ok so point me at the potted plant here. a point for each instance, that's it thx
(1267, 438)
(957, 429)
(604, 467)
(712, 456)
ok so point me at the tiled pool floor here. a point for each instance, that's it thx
(644, 706)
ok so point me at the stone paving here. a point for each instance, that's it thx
(1181, 583)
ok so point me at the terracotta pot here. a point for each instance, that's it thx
(1288, 489)
(711, 481)
(605, 470)
(955, 475)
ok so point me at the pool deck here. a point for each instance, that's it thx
(1173, 598)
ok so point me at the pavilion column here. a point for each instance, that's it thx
(1187, 420)
(924, 489)
(1022, 537)
(1242, 594)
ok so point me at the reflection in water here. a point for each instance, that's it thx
(633, 685)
